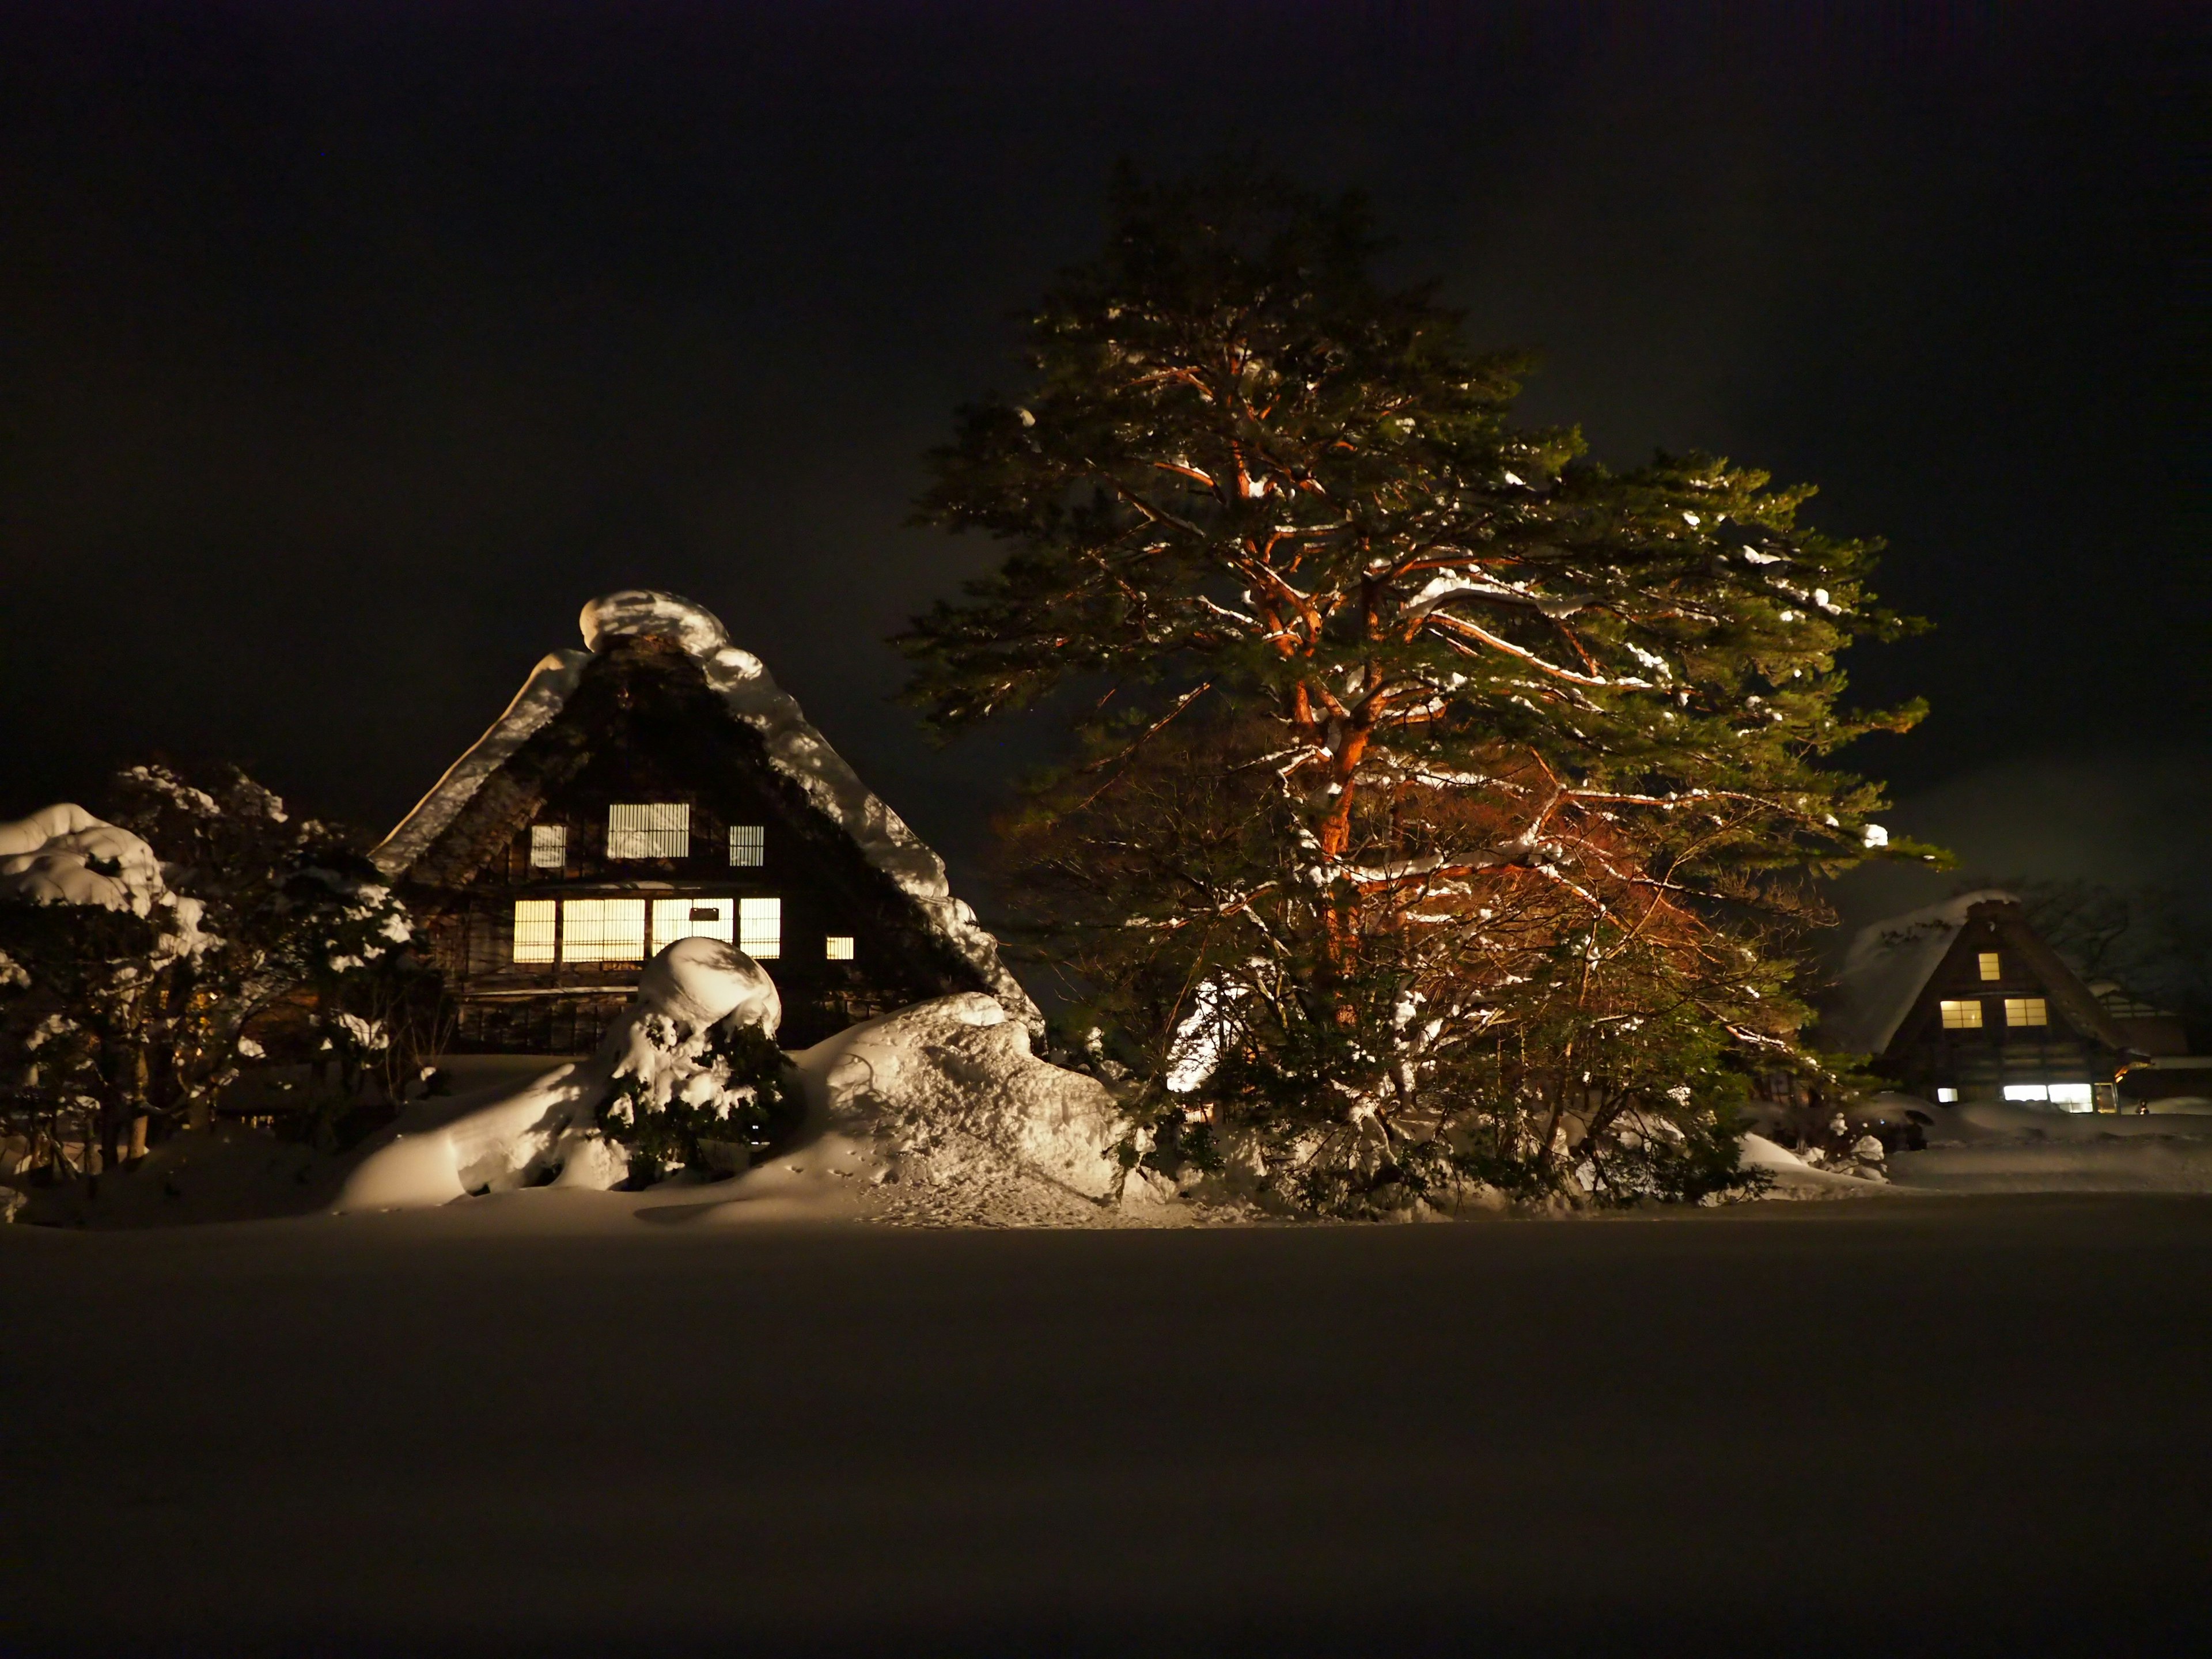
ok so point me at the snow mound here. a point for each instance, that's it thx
(936, 1115)
(544, 1131)
(62, 854)
(1790, 1177)
(705, 982)
(953, 1087)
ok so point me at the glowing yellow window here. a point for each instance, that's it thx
(693, 918)
(603, 930)
(649, 829)
(760, 927)
(1962, 1016)
(838, 947)
(533, 930)
(1992, 968)
(2027, 1010)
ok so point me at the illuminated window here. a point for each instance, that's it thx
(1992, 968)
(1962, 1016)
(2074, 1096)
(548, 846)
(838, 947)
(2026, 1091)
(603, 930)
(748, 843)
(657, 830)
(693, 918)
(1947, 1097)
(2026, 1010)
(533, 930)
(760, 927)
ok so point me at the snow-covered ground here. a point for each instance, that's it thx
(516, 1424)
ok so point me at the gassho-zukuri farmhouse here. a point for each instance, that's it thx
(655, 785)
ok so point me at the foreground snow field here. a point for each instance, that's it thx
(1915, 1425)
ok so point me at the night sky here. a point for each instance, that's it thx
(346, 350)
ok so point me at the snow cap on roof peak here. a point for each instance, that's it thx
(640, 612)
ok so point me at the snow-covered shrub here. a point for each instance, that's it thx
(143, 949)
(697, 1080)
(700, 1100)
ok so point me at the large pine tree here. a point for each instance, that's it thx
(1441, 792)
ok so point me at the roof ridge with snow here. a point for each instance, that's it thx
(794, 746)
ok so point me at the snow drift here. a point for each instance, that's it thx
(544, 1132)
(940, 1107)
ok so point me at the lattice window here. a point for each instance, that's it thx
(2027, 1010)
(548, 846)
(760, 927)
(603, 930)
(1961, 1016)
(534, 924)
(1992, 966)
(749, 843)
(652, 829)
(838, 947)
(693, 918)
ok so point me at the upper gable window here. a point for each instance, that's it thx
(2027, 1010)
(1992, 965)
(748, 843)
(548, 846)
(1961, 1016)
(655, 830)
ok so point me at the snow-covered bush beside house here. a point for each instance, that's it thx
(62, 854)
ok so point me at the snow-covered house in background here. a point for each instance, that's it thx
(1963, 1001)
(655, 785)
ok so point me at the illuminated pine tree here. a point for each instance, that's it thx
(1445, 671)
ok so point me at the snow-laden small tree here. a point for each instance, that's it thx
(1480, 742)
(144, 1014)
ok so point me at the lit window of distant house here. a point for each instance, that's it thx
(2027, 1010)
(2026, 1091)
(693, 918)
(548, 846)
(760, 927)
(1947, 1097)
(603, 930)
(838, 947)
(533, 930)
(1992, 968)
(748, 843)
(1961, 1016)
(654, 830)
(2074, 1096)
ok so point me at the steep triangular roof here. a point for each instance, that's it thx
(794, 748)
(1891, 962)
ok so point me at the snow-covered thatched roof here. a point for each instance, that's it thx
(1887, 966)
(1891, 962)
(794, 748)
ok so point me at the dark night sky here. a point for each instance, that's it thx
(346, 350)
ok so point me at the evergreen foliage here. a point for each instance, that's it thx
(269, 922)
(1444, 800)
(701, 1099)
